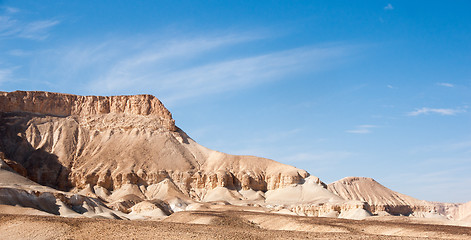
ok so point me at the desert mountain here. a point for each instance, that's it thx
(384, 201)
(68, 141)
(125, 149)
(124, 157)
(380, 198)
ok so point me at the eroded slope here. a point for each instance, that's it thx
(102, 146)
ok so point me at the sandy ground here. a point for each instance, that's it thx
(221, 225)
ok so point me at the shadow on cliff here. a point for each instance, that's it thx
(41, 166)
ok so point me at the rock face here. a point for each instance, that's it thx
(67, 154)
(20, 192)
(74, 142)
(64, 105)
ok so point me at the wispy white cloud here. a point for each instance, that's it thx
(7, 26)
(183, 68)
(11, 9)
(440, 111)
(457, 146)
(446, 85)
(362, 129)
(5, 74)
(243, 72)
(389, 7)
(323, 156)
(276, 136)
(390, 86)
(18, 52)
(36, 30)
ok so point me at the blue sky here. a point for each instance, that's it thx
(340, 88)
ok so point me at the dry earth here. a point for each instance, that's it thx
(222, 225)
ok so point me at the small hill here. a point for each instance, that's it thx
(381, 199)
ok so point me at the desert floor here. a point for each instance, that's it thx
(224, 225)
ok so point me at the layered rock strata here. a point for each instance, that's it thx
(77, 142)
(57, 104)
(126, 152)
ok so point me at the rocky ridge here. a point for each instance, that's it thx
(102, 145)
(127, 153)
(57, 104)
(132, 138)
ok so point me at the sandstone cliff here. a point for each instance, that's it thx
(87, 154)
(74, 142)
(64, 105)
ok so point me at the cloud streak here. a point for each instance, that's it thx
(389, 7)
(324, 156)
(178, 69)
(362, 129)
(440, 111)
(243, 72)
(37, 30)
(446, 85)
(5, 74)
(12, 10)
(11, 27)
(445, 147)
